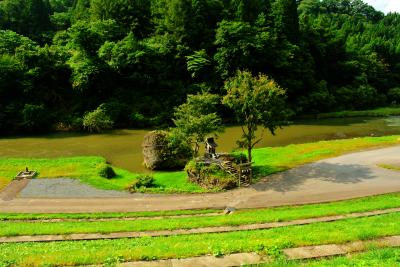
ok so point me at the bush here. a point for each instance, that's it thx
(142, 181)
(210, 176)
(97, 120)
(394, 95)
(106, 171)
(35, 118)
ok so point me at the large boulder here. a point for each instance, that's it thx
(160, 154)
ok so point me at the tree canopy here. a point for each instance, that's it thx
(255, 101)
(141, 58)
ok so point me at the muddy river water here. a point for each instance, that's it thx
(123, 148)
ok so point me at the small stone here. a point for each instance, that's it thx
(229, 210)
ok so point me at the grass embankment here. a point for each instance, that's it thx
(267, 161)
(241, 217)
(269, 241)
(378, 112)
(390, 167)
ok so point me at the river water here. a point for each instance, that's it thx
(123, 148)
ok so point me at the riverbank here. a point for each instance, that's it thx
(378, 112)
(267, 161)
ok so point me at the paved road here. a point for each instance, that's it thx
(345, 177)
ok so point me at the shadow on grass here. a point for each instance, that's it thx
(322, 171)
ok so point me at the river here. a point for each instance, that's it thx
(123, 148)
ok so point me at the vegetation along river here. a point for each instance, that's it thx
(123, 148)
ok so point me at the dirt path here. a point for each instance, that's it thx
(340, 249)
(349, 176)
(13, 189)
(214, 214)
(204, 230)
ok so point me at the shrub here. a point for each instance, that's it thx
(142, 181)
(106, 171)
(138, 119)
(210, 176)
(97, 120)
(35, 118)
(394, 95)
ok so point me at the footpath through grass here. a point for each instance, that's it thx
(267, 161)
(101, 215)
(242, 217)
(389, 257)
(147, 248)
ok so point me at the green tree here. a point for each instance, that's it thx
(27, 17)
(80, 10)
(131, 15)
(286, 19)
(255, 101)
(97, 120)
(196, 119)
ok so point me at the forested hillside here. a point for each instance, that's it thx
(138, 59)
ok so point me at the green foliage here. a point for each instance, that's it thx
(106, 171)
(210, 176)
(198, 61)
(97, 120)
(26, 17)
(35, 118)
(148, 55)
(131, 15)
(196, 119)
(394, 95)
(141, 182)
(255, 101)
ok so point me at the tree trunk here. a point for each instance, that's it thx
(249, 148)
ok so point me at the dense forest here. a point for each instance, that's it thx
(138, 59)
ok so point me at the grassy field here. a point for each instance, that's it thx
(378, 112)
(241, 217)
(85, 169)
(267, 161)
(265, 241)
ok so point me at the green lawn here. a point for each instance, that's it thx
(85, 169)
(267, 161)
(241, 217)
(378, 112)
(271, 160)
(147, 248)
